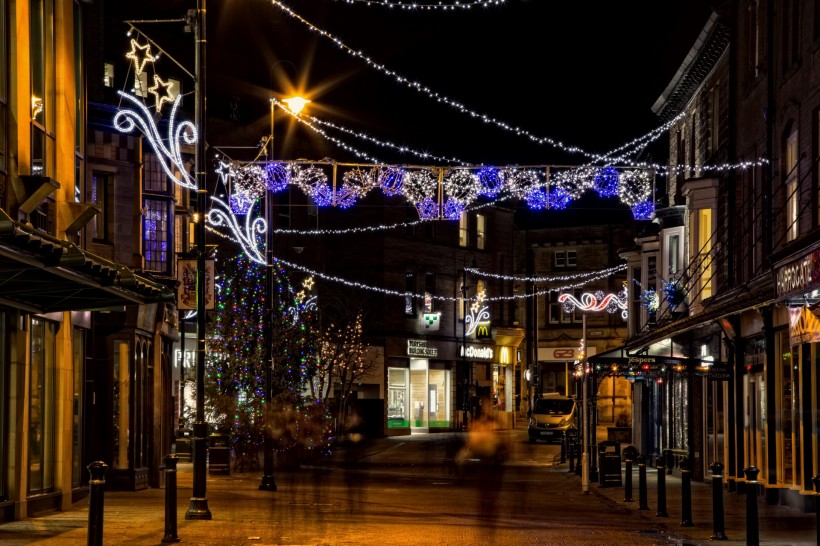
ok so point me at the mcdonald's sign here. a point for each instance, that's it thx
(482, 331)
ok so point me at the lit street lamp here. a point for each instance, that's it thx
(295, 105)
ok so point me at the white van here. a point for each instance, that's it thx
(552, 418)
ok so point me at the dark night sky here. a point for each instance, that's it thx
(583, 72)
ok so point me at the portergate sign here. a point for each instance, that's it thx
(799, 275)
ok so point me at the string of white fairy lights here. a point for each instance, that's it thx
(424, 6)
(553, 278)
(619, 155)
(603, 274)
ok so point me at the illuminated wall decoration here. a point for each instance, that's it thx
(598, 301)
(479, 313)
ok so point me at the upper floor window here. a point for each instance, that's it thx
(108, 75)
(792, 189)
(99, 196)
(156, 235)
(753, 39)
(4, 71)
(566, 259)
(429, 290)
(154, 179)
(410, 289)
(480, 230)
(462, 230)
(790, 47)
(673, 254)
(41, 51)
(714, 118)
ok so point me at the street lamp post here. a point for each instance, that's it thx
(295, 104)
(466, 376)
(198, 508)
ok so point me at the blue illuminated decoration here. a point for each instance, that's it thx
(241, 203)
(390, 181)
(490, 182)
(606, 182)
(453, 209)
(643, 210)
(559, 199)
(277, 177)
(537, 199)
(428, 209)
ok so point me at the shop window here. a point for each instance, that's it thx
(42, 408)
(120, 370)
(77, 383)
(397, 398)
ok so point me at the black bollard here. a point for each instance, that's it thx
(564, 449)
(643, 504)
(661, 490)
(628, 480)
(96, 502)
(170, 498)
(572, 457)
(668, 460)
(752, 528)
(816, 481)
(718, 529)
(686, 494)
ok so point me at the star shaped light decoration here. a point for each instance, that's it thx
(478, 303)
(165, 96)
(141, 55)
(300, 297)
(308, 283)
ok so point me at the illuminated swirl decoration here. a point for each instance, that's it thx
(479, 312)
(247, 235)
(169, 157)
(610, 303)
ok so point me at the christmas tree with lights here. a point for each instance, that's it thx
(236, 363)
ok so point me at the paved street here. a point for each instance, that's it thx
(408, 491)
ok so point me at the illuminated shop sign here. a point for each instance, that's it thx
(477, 352)
(798, 275)
(418, 347)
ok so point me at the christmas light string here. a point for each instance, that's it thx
(422, 6)
(608, 158)
(557, 278)
(355, 284)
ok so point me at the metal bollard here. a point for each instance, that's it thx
(668, 460)
(572, 457)
(661, 491)
(96, 502)
(170, 498)
(686, 494)
(643, 504)
(564, 449)
(752, 528)
(816, 481)
(718, 529)
(628, 480)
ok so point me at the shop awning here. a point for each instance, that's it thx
(41, 274)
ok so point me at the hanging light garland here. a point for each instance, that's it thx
(423, 6)
(598, 301)
(619, 155)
